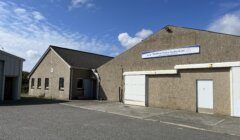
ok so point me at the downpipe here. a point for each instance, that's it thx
(98, 82)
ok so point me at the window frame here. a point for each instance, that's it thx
(45, 84)
(39, 83)
(78, 88)
(61, 85)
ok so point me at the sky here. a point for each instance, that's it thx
(107, 27)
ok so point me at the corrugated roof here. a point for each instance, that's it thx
(80, 59)
(11, 55)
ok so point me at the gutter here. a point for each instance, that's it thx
(208, 65)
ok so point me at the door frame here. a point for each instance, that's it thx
(197, 108)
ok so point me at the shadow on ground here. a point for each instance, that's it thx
(28, 100)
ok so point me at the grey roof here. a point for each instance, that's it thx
(80, 59)
(10, 55)
(76, 59)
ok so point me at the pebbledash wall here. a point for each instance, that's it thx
(76, 69)
(59, 69)
(175, 85)
(179, 91)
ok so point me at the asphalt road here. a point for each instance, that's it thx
(59, 122)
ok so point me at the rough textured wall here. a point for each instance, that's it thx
(60, 69)
(110, 82)
(214, 48)
(180, 91)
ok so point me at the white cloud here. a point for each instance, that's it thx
(20, 11)
(127, 41)
(144, 33)
(81, 3)
(22, 35)
(37, 15)
(228, 23)
(28, 16)
(32, 54)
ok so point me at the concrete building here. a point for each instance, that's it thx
(177, 68)
(66, 74)
(10, 76)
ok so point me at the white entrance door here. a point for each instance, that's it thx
(135, 89)
(205, 96)
(236, 91)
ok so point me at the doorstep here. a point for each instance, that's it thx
(205, 122)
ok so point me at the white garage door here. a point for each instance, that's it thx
(135, 89)
(205, 96)
(236, 91)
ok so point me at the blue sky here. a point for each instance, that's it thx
(107, 27)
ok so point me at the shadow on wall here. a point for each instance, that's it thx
(31, 101)
(102, 95)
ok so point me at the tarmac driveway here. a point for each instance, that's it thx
(205, 122)
(34, 119)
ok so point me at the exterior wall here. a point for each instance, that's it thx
(179, 91)
(111, 80)
(11, 66)
(1, 79)
(78, 74)
(60, 69)
(214, 48)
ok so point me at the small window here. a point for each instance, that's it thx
(32, 83)
(61, 83)
(46, 83)
(39, 83)
(79, 83)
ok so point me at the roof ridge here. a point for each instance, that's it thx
(52, 46)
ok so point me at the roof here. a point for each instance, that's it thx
(11, 55)
(80, 59)
(75, 58)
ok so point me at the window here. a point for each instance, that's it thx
(39, 83)
(46, 83)
(61, 83)
(32, 83)
(79, 83)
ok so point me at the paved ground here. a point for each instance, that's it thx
(51, 120)
(220, 124)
